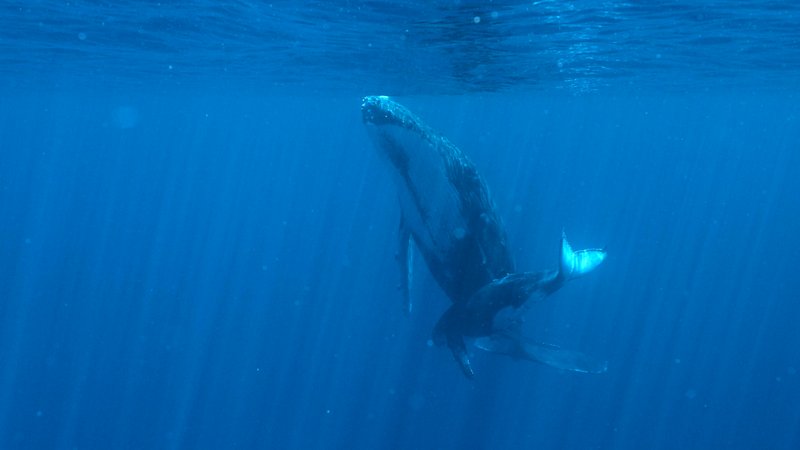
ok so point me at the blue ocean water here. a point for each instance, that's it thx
(197, 237)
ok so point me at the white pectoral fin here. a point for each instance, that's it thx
(549, 355)
(405, 262)
(574, 264)
(562, 359)
(409, 276)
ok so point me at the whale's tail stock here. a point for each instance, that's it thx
(510, 342)
(502, 302)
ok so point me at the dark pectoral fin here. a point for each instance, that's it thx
(459, 349)
(552, 356)
(446, 331)
(404, 261)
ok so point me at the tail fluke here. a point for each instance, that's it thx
(574, 264)
(518, 348)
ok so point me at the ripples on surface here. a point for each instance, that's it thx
(408, 47)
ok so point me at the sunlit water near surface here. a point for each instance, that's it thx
(407, 47)
(197, 238)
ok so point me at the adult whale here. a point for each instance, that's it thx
(448, 215)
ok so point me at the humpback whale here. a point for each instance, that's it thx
(448, 215)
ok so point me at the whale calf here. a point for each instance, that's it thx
(448, 215)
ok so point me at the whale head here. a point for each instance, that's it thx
(381, 110)
(397, 133)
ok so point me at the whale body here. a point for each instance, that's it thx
(448, 215)
(446, 207)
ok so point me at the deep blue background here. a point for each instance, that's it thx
(197, 238)
(211, 269)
